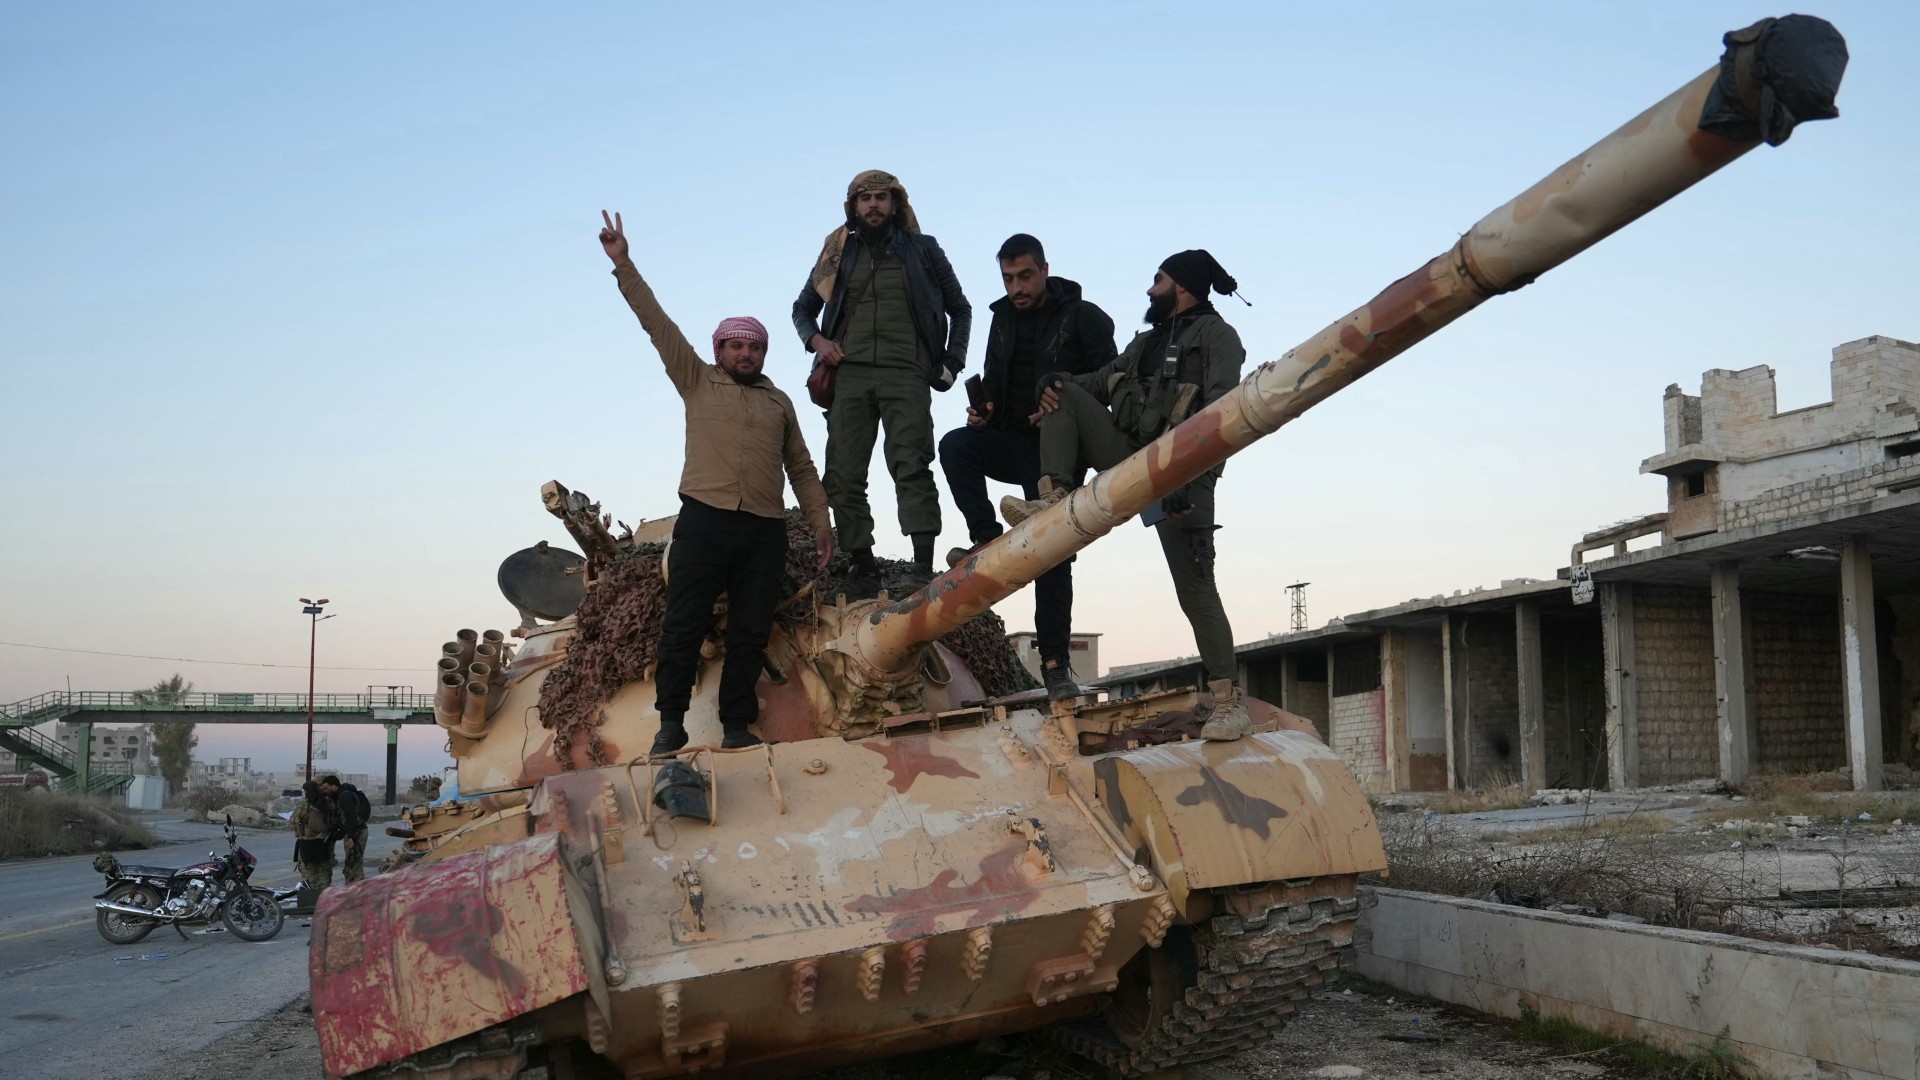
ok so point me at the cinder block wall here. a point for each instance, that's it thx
(1673, 651)
(1798, 703)
(1493, 699)
(1573, 674)
(1359, 736)
(1312, 702)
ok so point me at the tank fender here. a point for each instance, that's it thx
(1273, 806)
(406, 961)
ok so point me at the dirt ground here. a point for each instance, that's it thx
(1350, 1031)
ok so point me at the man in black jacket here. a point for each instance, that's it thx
(883, 309)
(1041, 326)
(1188, 358)
(351, 812)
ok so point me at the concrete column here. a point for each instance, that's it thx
(1289, 682)
(1733, 702)
(393, 763)
(1396, 744)
(83, 758)
(1860, 665)
(1453, 698)
(1623, 696)
(1533, 697)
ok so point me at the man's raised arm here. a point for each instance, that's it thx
(682, 363)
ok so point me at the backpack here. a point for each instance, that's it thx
(355, 810)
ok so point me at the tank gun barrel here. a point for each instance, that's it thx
(1653, 157)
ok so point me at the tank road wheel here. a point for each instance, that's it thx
(1227, 984)
(127, 929)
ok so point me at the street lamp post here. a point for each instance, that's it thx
(312, 609)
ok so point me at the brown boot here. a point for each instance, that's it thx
(1229, 719)
(1019, 510)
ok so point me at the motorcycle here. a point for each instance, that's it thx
(139, 898)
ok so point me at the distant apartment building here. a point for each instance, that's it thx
(131, 746)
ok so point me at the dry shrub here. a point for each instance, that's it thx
(1499, 790)
(1822, 808)
(36, 823)
(1601, 865)
(1610, 825)
(1763, 786)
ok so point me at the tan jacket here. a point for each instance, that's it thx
(310, 822)
(739, 437)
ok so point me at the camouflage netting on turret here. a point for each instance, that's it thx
(618, 636)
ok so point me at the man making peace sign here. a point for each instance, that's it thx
(731, 536)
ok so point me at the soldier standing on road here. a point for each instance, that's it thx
(883, 308)
(352, 811)
(1042, 325)
(313, 840)
(731, 535)
(1186, 359)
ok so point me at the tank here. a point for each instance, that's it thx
(924, 854)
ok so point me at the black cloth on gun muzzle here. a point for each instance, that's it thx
(681, 790)
(1775, 74)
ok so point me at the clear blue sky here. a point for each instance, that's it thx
(306, 297)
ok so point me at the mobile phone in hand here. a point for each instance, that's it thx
(977, 394)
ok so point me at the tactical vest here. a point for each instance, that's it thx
(1161, 390)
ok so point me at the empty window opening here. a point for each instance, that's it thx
(1310, 666)
(1696, 483)
(1356, 668)
(1903, 449)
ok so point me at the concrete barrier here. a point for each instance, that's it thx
(1793, 1013)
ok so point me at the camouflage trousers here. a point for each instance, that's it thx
(315, 876)
(356, 868)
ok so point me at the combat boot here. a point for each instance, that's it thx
(923, 552)
(863, 576)
(737, 737)
(673, 735)
(1229, 719)
(1058, 678)
(956, 556)
(1016, 511)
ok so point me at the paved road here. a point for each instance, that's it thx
(75, 1005)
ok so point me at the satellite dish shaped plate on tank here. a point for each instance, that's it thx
(538, 582)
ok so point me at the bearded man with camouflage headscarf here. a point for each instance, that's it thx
(883, 308)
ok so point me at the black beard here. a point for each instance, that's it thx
(873, 234)
(743, 380)
(1159, 309)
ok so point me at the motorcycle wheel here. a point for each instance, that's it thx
(252, 915)
(127, 929)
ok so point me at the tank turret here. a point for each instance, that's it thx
(923, 857)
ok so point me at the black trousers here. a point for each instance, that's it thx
(719, 551)
(970, 456)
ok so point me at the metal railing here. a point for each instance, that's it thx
(52, 706)
(30, 743)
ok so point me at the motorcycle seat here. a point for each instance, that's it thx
(146, 871)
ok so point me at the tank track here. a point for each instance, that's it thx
(1271, 945)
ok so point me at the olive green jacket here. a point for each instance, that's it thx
(1209, 365)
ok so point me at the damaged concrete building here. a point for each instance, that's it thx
(1768, 619)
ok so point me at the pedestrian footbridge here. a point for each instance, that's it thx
(379, 705)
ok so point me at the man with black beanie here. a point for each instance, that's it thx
(1042, 325)
(1185, 360)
